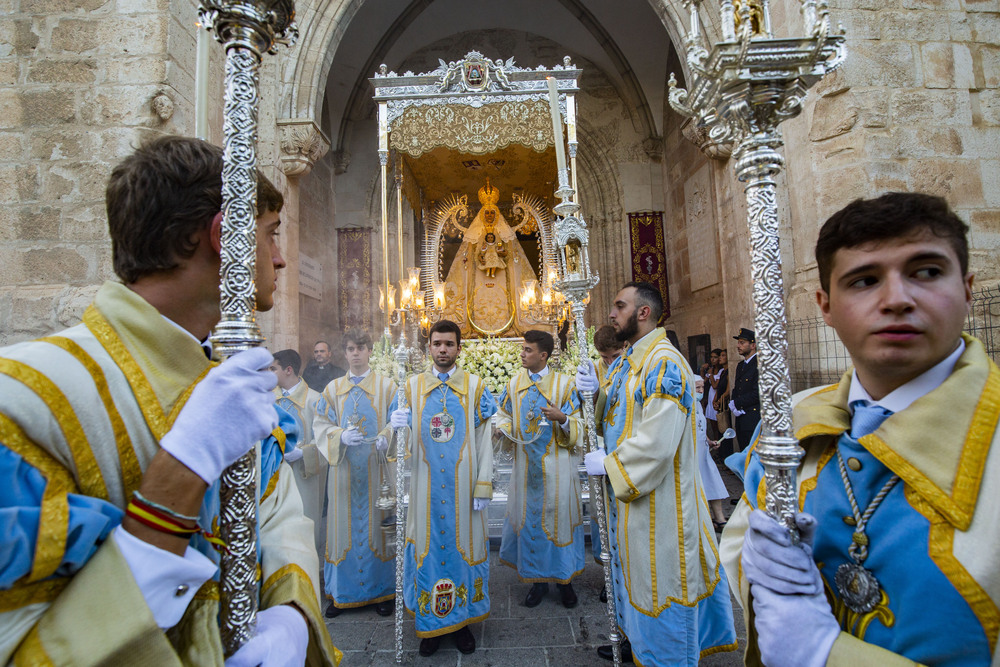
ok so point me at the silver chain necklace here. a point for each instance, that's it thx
(858, 587)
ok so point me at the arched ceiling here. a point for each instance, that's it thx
(627, 41)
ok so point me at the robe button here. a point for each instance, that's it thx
(443, 502)
(443, 486)
(442, 516)
(442, 455)
(442, 562)
(181, 590)
(442, 532)
(849, 520)
(442, 469)
(854, 464)
(442, 546)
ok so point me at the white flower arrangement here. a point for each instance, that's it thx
(495, 361)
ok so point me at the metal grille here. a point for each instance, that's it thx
(817, 357)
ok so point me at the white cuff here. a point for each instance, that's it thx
(565, 425)
(167, 581)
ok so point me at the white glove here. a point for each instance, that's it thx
(787, 591)
(736, 411)
(293, 455)
(771, 560)
(479, 504)
(227, 414)
(280, 640)
(586, 377)
(594, 462)
(400, 417)
(381, 444)
(352, 437)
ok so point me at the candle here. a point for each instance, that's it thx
(439, 296)
(557, 132)
(201, 84)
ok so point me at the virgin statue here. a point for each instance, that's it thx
(483, 280)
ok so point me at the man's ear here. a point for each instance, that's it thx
(215, 233)
(644, 312)
(823, 301)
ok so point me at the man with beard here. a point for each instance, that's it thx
(320, 372)
(446, 569)
(671, 593)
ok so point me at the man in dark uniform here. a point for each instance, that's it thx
(321, 371)
(744, 401)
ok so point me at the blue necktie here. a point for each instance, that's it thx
(867, 418)
(535, 377)
(443, 377)
(355, 379)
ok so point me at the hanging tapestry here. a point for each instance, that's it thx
(354, 270)
(649, 254)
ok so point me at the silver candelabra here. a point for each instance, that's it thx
(248, 30)
(740, 91)
(575, 282)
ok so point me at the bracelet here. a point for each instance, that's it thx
(152, 518)
(143, 500)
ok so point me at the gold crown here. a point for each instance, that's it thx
(488, 195)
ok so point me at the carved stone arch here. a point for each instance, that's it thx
(323, 26)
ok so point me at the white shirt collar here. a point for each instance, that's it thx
(902, 397)
(205, 344)
(362, 376)
(294, 387)
(448, 373)
(747, 360)
(541, 373)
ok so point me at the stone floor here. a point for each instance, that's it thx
(513, 635)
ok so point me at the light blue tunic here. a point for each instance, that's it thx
(898, 556)
(535, 555)
(366, 573)
(680, 634)
(443, 591)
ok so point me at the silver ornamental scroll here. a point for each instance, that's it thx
(247, 29)
(740, 92)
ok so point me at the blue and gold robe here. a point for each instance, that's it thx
(933, 542)
(543, 536)
(446, 565)
(359, 567)
(671, 591)
(310, 470)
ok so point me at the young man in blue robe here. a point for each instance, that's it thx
(671, 592)
(543, 537)
(450, 450)
(898, 562)
(358, 569)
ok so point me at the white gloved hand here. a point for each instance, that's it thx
(280, 640)
(400, 417)
(352, 437)
(770, 559)
(787, 591)
(479, 504)
(736, 411)
(294, 455)
(227, 414)
(594, 462)
(586, 377)
(381, 444)
(776, 613)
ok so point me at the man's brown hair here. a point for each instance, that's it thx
(605, 339)
(358, 337)
(160, 196)
(894, 215)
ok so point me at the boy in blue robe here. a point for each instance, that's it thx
(446, 572)
(898, 561)
(543, 537)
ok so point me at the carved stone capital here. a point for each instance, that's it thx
(699, 136)
(302, 143)
(341, 161)
(653, 146)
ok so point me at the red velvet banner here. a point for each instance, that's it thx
(649, 254)
(354, 270)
